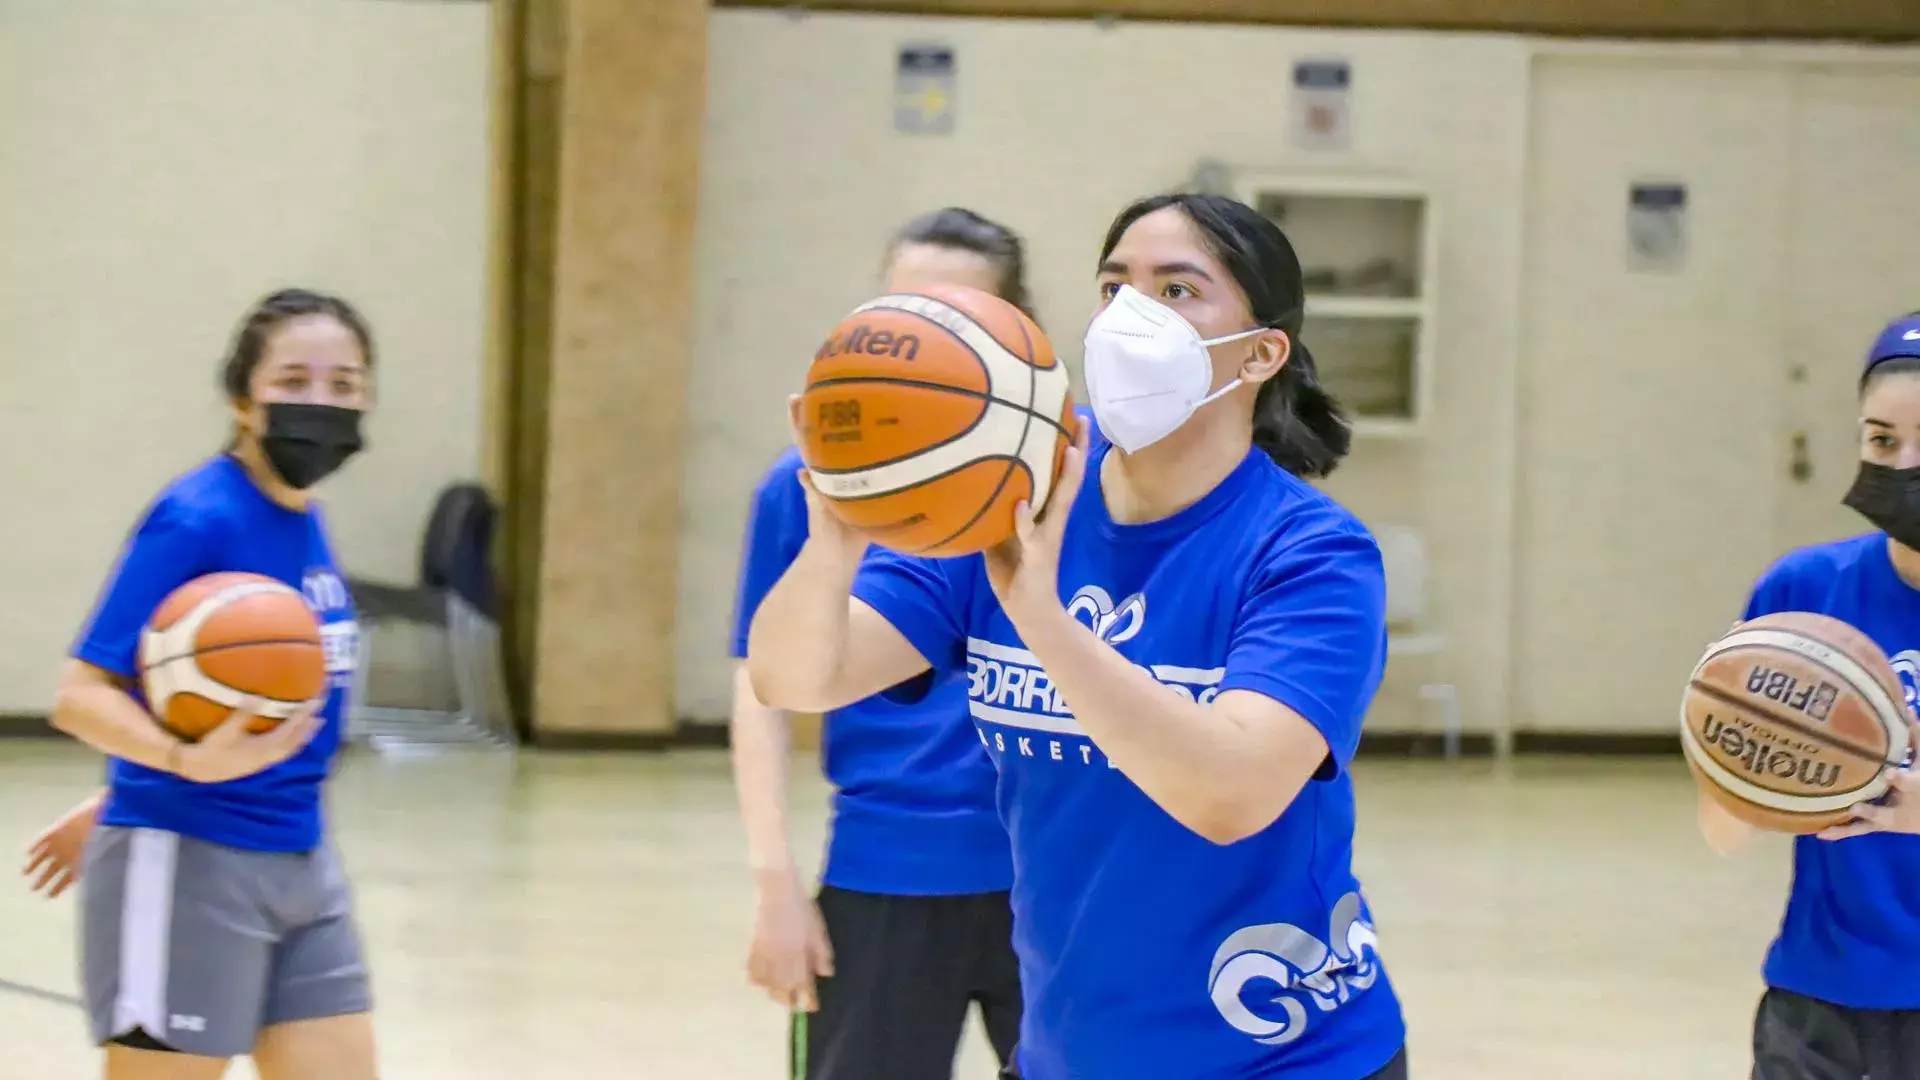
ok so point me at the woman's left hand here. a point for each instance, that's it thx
(1896, 811)
(1024, 569)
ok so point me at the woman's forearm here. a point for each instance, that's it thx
(761, 740)
(1724, 833)
(797, 644)
(108, 719)
(1207, 771)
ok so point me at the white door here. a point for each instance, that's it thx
(1649, 398)
(1854, 234)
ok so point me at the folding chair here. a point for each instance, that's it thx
(456, 595)
(1409, 624)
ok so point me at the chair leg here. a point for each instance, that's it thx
(460, 659)
(1447, 696)
(476, 646)
(490, 679)
(473, 695)
(356, 707)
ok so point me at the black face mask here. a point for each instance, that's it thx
(1890, 499)
(306, 443)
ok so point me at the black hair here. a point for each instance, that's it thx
(1893, 365)
(1299, 425)
(250, 340)
(963, 230)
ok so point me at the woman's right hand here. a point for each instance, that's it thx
(53, 858)
(833, 535)
(230, 751)
(790, 948)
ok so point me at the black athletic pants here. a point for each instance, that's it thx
(1395, 1069)
(1802, 1038)
(905, 971)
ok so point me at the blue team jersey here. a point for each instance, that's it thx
(913, 805)
(1851, 934)
(1146, 951)
(214, 519)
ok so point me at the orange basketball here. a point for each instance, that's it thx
(222, 638)
(928, 416)
(1791, 719)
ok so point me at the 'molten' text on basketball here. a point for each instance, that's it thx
(1763, 760)
(861, 339)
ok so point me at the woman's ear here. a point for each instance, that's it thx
(1270, 352)
(242, 412)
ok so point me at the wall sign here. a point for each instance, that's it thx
(1322, 119)
(1656, 225)
(924, 90)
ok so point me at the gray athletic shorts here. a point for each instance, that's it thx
(200, 946)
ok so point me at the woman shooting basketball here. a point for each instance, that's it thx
(215, 914)
(1843, 976)
(1169, 668)
(912, 923)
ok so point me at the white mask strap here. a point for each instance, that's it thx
(1217, 394)
(1229, 388)
(1210, 342)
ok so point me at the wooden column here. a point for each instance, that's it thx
(629, 118)
(529, 66)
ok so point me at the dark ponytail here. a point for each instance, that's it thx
(1300, 426)
(1295, 420)
(963, 230)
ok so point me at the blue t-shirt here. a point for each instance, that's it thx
(214, 519)
(1851, 934)
(1146, 951)
(913, 810)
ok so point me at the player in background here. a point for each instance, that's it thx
(215, 913)
(1170, 668)
(911, 925)
(1843, 975)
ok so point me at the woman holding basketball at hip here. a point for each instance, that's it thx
(1169, 668)
(215, 914)
(912, 923)
(1843, 976)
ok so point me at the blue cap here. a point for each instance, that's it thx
(1901, 339)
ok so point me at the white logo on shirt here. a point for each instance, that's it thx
(1300, 969)
(1268, 980)
(324, 591)
(339, 637)
(1906, 664)
(1007, 687)
(340, 644)
(1112, 623)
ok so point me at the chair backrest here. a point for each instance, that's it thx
(1404, 556)
(457, 552)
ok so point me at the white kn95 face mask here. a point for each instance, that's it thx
(1147, 369)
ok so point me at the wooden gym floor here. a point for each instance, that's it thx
(580, 916)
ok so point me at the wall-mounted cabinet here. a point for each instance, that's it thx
(1368, 253)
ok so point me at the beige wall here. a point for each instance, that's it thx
(1060, 124)
(162, 165)
(1575, 483)
(1594, 502)
(1658, 408)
